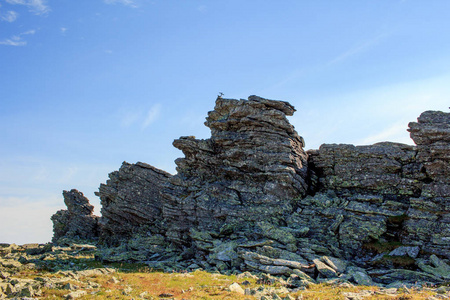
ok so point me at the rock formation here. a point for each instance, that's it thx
(78, 221)
(250, 198)
(253, 168)
(131, 200)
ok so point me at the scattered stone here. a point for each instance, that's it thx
(235, 287)
(404, 250)
(76, 294)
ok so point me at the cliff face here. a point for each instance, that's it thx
(250, 198)
(251, 169)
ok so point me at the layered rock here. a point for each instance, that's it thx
(78, 221)
(386, 191)
(131, 201)
(428, 223)
(250, 198)
(251, 169)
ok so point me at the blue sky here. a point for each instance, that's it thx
(87, 84)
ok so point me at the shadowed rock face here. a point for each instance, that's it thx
(251, 169)
(78, 221)
(130, 200)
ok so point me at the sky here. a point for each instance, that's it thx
(88, 84)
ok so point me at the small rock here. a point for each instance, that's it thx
(360, 276)
(127, 291)
(114, 280)
(76, 294)
(70, 286)
(412, 252)
(336, 264)
(235, 287)
(165, 295)
(325, 270)
(4, 275)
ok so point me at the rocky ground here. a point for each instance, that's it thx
(72, 271)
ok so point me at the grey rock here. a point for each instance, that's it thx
(336, 264)
(439, 269)
(78, 221)
(130, 200)
(325, 270)
(360, 276)
(236, 288)
(404, 250)
(250, 170)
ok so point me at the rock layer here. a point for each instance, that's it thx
(131, 201)
(251, 169)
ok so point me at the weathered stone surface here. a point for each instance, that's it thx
(131, 200)
(250, 197)
(78, 221)
(251, 169)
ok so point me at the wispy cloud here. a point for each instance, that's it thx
(17, 40)
(63, 30)
(39, 7)
(9, 16)
(152, 114)
(202, 8)
(359, 48)
(130, 3)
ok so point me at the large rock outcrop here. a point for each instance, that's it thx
(131, 201)
(78, 221)
(250, 198)
(253, 168)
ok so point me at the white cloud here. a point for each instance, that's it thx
(130, 3)
(38, 7)
(14, 41)
(63, 30)
(9, 16)
(17, 40)
(152, 114)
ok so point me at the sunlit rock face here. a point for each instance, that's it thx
(252, 168)
(78, 221)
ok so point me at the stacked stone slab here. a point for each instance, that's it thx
(386, 191)
(131, 201)
(428, 223)
(251, 169)
(78, 221)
